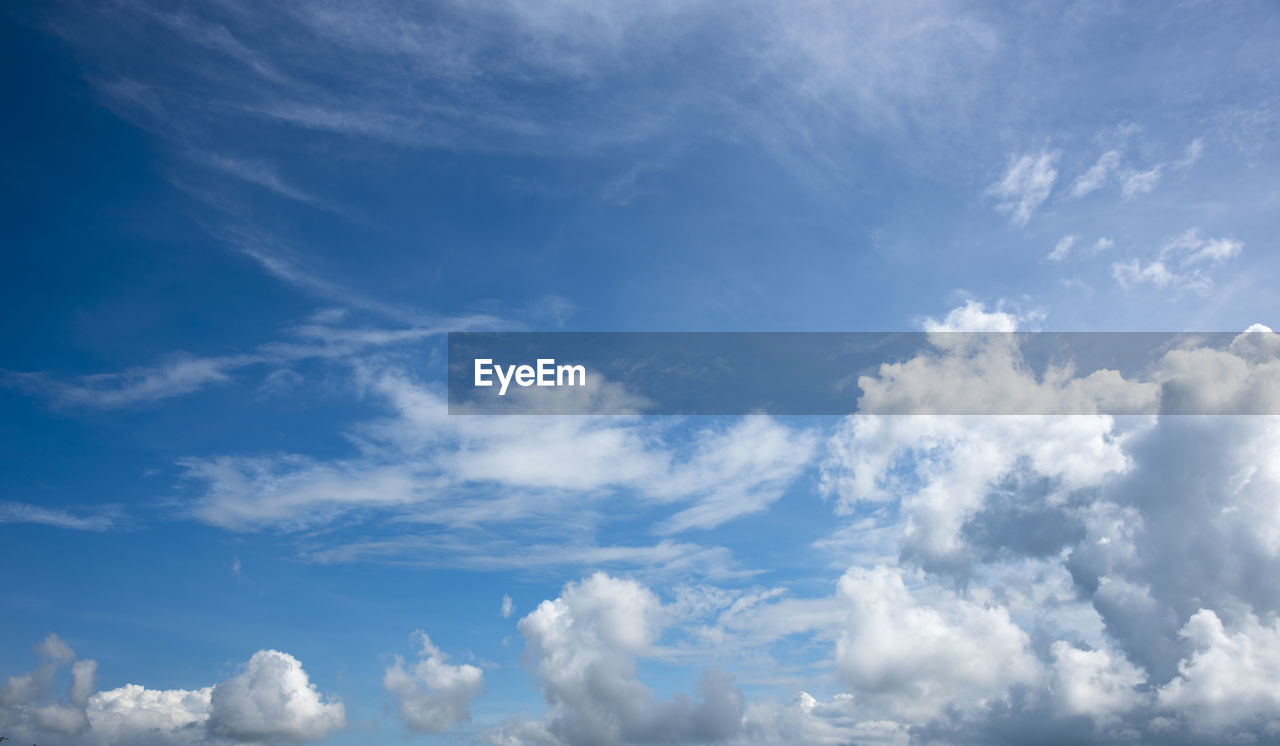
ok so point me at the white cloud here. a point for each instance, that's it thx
(1133, 183)
(1099, 684)
(426, 466)
(265, 175)
(738, 471)
(973, 316)
(807, 720)
(1194, 151)
(181, 373)
(1026, 184)
(922, 651)
(1181, 263)
(507, 606)
(1190, 248)
(29, 688)
(132, 713)
(1133, 272)
(1062, 248)
(1097, 175)
(432, 695)
(583, 647)
(1232, 676)
(272, 700)
(1244, 378)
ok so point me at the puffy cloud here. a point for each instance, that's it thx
(1195, 526)
(55, 650)
(132, 714)
(1099, 684)
(923, 651)
(1244, 378)
(433, 695)
(1025, 185)
(583, 647)
(272, 700)
(1232, 676)
(973, 316)
(24, 699)
(941, 472)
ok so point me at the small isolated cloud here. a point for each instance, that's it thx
(973, 316)
(432, 695)
(1026, 184)
(1103, 244)
(1133, 183)
(15, 512)
(1097, 175)
(1194, 151)
(1062, 248)
(507, 606)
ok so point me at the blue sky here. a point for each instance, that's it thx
(236, 235)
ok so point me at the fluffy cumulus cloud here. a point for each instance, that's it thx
(582, 648)
(432, 694)
(1159, 530)
(923, 651)
(1231, 678)
(135, 714)
(272, 700)
(1098, 684)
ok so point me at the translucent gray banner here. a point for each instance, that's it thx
(830, 373)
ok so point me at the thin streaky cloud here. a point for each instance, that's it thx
(1025, 185)
(16, 512)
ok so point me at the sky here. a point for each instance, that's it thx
(233, 509)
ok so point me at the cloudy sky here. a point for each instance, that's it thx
(234, 511)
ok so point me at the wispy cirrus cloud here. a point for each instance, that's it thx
(1026, 184)
(180, 373)
(100, 518)
(1183, 263)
